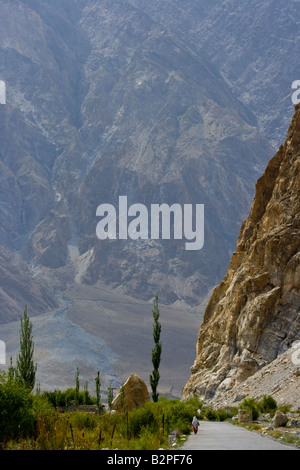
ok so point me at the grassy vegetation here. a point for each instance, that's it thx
(267, 406)
(35, 421)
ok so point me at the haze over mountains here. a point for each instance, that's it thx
(164, 102)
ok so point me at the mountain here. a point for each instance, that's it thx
(38, 69)
(125, 98)
(254, 45)
(253, 315)
(103, 101)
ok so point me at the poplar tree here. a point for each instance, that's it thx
(98, 393)
(109, 397)
(76, 397)
(156, 351)
(122, 396)
(26, 369)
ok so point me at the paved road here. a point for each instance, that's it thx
(226, 436)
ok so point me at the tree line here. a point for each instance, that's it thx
(26, 368)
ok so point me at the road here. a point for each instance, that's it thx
(226, 436)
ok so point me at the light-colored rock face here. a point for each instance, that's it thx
(135, 395)
(253, 315)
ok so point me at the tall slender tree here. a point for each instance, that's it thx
(156, 351)
(110, 397)
(122, 396)
(98, 390)
(26, 369)
(77, 385)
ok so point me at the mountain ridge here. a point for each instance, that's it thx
(104, 103)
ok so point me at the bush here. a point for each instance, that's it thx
(267, 405)
(250, 404)
(65, 398)
(142, 419)
(82, 421)
(147, 440)
(222, 415)
(17, 416)
(179, 415)
(211, 414)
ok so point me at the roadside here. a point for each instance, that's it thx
(226, 436)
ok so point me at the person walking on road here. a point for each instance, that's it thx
(195, 424)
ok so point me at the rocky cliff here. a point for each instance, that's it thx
(253, 315)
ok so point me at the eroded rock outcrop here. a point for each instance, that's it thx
(253, 315)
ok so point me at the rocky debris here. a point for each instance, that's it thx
(276, 379)
(135, 395)
(280, 419)
(245, 416)
(253, 315)
(269, 428)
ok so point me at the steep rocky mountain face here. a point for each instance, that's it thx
(253, 314)
(254, 45)
(103, 100)
(155, 140)
(256, 49)
(36, 125)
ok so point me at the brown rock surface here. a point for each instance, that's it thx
(135, 394)
(280, 419)
(245, 416)
(253, 314)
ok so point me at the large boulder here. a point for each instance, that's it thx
(135, 395)
(280, 419)
(245, 416)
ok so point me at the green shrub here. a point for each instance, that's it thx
(82, 421)
(267, 404)
(142, 419)
(178, 414)
(17, 418)
(66, 397)
(285, 408)
(251, 405)
(211, 414)
(147, 440)
(222, 415)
